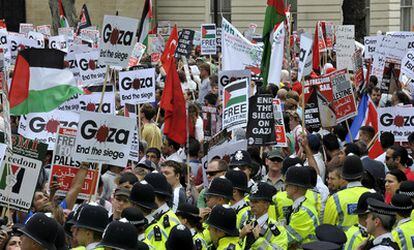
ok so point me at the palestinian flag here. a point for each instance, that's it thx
(145, 25)
(40, 82)
(208, 31)
(235, 93)
(63, 21)
(84, 19)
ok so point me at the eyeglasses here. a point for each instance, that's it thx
(212, 173)
(276, 160)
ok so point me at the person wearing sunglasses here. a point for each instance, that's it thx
(274, 161)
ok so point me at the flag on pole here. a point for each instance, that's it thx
(63, 21)
(40, 81)
(276, 58)
(169, 50)
(275, 13)
(84, 20)
(367, 116)
(145, 25)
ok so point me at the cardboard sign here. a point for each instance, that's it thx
(164, 28)
(345, 46)
(397, 120)
(90, 36)
(208, 39)
(370, 43)
(344, 99)
(71, 105)
(390, 76)
(104, 138)
(210, 128)
(91, 99)
(24, 28)
(59, 43)
(358, 68)
(305, 56)
(64, 168)
(17, 43)
(19, 172)
(136, 54)
(44, 126)
(321, 39)
(185, 43)
(118, 40)
(228, 76)
(131, 111)
(5, 46)
(261, 124)
(38, 37)
(89, 70)
(6, 108)
(137, 86)
(44, 29)
(235, 104)
(280, 130)
(407, 64)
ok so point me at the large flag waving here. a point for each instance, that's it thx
(169, 50)
(63, 21)
(367, 116)
(145, 24)
(84, 19)
(276, 58)
(275, 13)
(40, 82)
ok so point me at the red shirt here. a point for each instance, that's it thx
(297, 86)
(409, 174)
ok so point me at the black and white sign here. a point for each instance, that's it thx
(137, 86)
(261, 125)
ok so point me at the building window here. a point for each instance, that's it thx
(367, 16)
(219, 9)
(406, 15)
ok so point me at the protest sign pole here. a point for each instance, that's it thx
(107, 73)
(187, 162)
(349, 130)
(303, 107)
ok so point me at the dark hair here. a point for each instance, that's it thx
(387, 139)
(181, 76)
(402, 97)
(273, 88)
(400, 175)
(387, 221)
(373, 79)
(368, 129)
(156, 151)
(222, 164)
(174, 144)
(173, 164)
(401, 152)
(411, 138)
(330, 141)
(127, 177)
(148, 110)
(375, 88)
(352, 148)
(205, 66)
(363, 148)
(211, 99)
(340, 131)
(194, 148)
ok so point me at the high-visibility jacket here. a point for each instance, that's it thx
(156, 236)
(354, 238)
(302, 224)
(272, 236)
(403, 234)
(199, 241)
(243, 214)
(167, 221)
(228, 243)
(340, 207)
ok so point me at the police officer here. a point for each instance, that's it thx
(340, 206)
(39, 233)
(238, 202)
(163, 192)
(222, 228)
(403, 233)
(318, 245)
(135, 216)
(380, 220)
(330, 233)
(143, 197)
(179, 238)
(302, 218)
(189, 216)
(89, 226)
(407, 188)
(263, 232)
(242, 160)
(121, 235)
(358, 233)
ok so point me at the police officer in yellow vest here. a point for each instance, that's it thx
(407, 188)
(189, 215)
(263, 232)
(89, 226)
(302, 219)
(121, 235)
(340, 206)
(39, 233)
(163, 192)
(222, 228)
(137, 218)
(330, 233)
(143, 197)
(358, 233)
(239, 180)
(403, 233)
(180, 238)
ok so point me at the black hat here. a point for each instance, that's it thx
(362, 206)
(220, 186)
(122, 192)
(352, 168)
(180, 238)
(160, 184)
(262, 191)
(240, 158)
(380, 207)
(298, 176)
(407, 188)
(317, 245)
(330, 233)
(147, 164)
(143, 195)
(121, 235)
(69, 223)
(134, 216)
(60, 241)
(238, 178)
(188, 210)
(402, 203)
(92, 217)
(42, 230)
(290, 162)
(223, 217)
(71, 220)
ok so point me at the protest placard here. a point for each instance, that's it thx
(104, 138)
(185, 43)
(235, 104)
(44, 29)
(64, 167)
(345, 46)
(261, 124)
(329, 34)
(91, 99)
(370, 43)
(343, 96)
(19, 172)
(280, 130)
(24, 28)
(208, 39)
(19, 42)
(164, 28)
(390, 76)
(137, 86)
(136, 54)
(59, 43)
(90, 36)
(38, 37)
(118, 39)
(6, 107)
(209, 115)
(397, 120)
(321, 39)
(228, 76)
(358, 68)
(90, 71)
(305, 56)
(407, 64)
(131, 111)
(44, 126)
(5, 46)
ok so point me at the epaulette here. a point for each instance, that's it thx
(273, 228)
(166, 221)
(231, 247)
(198, 244)
(157, 233)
